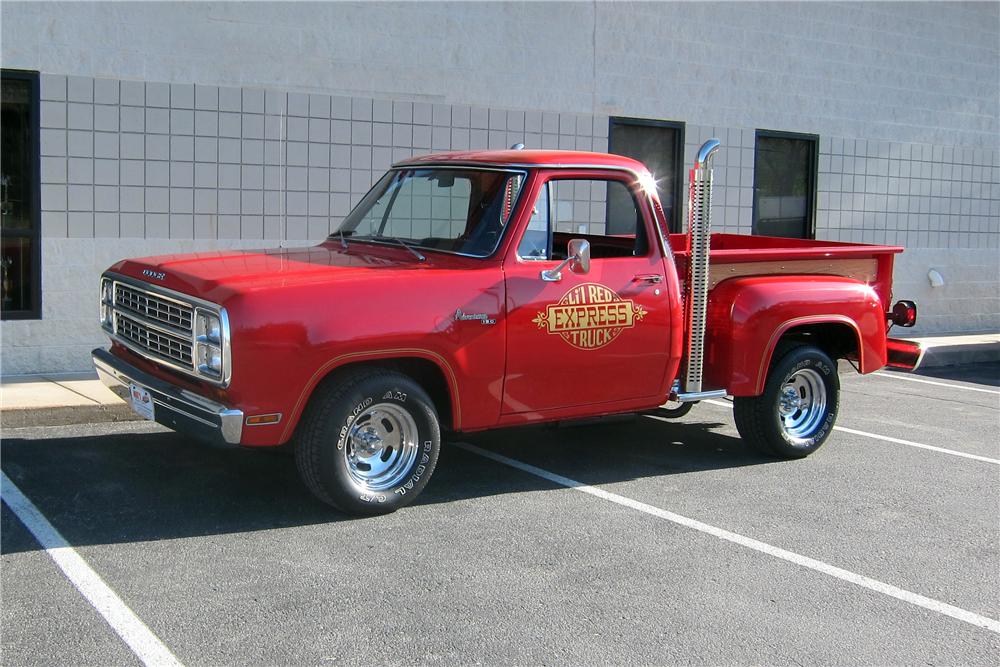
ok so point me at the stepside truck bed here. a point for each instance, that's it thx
(738, 255)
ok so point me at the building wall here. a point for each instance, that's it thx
(169, 127)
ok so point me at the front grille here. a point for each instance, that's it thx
(159, 343)
(153, 307)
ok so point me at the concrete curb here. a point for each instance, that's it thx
(941, 354)
(66, 415)
(939, 357)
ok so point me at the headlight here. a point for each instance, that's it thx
(107, 298)
(209, 344)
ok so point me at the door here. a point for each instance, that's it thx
(594, 338)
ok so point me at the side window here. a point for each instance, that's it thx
(535, 242)
(603, 211)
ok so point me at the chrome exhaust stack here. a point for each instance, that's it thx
(699, 239)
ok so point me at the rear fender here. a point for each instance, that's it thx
(747, 318)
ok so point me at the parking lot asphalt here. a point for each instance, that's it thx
(228, 560)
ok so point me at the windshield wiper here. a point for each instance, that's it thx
(406, 245)
(381, 237)
(343, 241)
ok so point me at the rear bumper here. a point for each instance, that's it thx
(903, 354)
(175, 408)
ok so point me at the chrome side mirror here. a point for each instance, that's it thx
(577, 257)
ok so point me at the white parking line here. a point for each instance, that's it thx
(146, 645)
(750, 543)
(898, 441)
(908, 378)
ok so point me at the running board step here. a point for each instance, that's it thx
(693, 396)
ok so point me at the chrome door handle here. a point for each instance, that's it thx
(651, 278)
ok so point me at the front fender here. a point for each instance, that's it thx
(748, 316)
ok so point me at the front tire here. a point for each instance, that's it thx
(369, 442)
(796, 413)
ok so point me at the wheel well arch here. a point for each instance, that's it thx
(838, 338)
(430, 374)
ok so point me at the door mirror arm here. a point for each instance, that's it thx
(577, 258)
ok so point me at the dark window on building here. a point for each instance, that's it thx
(20, 284)
(784, 184)
(659, 145)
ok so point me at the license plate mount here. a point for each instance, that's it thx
(141, 401)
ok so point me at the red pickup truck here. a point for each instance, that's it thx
(474, 290)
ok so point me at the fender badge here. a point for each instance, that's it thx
(481, 317)
(158, 275)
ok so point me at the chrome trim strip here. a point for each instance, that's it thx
(186, 414)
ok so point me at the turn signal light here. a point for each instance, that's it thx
(261, 420)
(904, 314)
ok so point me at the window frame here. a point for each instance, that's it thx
(648, 225)
(35, 234)
(520, 170)
(676, 225)
(813, 176)
(547, 189)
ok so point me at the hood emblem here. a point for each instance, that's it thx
(158, 275)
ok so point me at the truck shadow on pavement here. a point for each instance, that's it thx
(146, 486)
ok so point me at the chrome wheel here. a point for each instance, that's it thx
(381, 447)
(802, 404)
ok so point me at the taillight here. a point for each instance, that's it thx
(904, 314)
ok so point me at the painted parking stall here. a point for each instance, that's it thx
(679, 528)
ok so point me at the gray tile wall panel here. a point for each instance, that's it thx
(201, 151)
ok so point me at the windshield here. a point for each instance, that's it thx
(454, 210)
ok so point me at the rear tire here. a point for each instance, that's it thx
(796, 413)
(368, 442)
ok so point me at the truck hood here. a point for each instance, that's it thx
(218, 275)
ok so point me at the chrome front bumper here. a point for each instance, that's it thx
(175, 408)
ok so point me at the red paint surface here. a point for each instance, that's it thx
(297, 315)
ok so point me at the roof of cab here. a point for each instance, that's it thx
(528, 158)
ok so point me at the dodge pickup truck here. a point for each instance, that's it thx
(474, 290)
